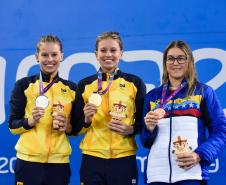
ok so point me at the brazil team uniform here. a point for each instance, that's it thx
(41, 149)
(108, 157)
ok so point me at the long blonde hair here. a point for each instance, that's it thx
(190, 76)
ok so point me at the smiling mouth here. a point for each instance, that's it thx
(49, 65)
(177, 69)
(108, 61)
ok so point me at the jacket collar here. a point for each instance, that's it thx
(105, 76)
(47, 77)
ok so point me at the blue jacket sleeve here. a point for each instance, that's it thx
(215, 120)
(139, 106)
(76, 115)
(17, 123)
(147, 137)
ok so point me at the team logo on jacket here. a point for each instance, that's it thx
(122, 85)
(19, 183)
(63, 90)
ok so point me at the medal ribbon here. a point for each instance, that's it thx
(100, 73)
(165, 86)
(42, 90)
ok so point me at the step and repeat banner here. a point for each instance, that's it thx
(146, 28)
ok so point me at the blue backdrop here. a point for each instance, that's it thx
(146, 27)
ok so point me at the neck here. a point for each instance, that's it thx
(51, 75)
(174, 84)
(108, 71)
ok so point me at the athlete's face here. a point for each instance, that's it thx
(176, 64)
(108, 54)
(49, 57)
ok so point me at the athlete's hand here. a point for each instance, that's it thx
(37, 114)
(187, 160)
(89, 110)
(151, 120)
(120, 127)
(59, 122)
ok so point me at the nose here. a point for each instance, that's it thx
(176, 62)
(108, 53)
(50, 58)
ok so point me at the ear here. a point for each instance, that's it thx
(36, 57)
(62, 56)
(95, 53)
(121, 53)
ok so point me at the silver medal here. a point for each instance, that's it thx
(42, 101)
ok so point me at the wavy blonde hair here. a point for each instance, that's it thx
(190, 76)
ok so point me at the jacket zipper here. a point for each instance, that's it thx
(108, 98)
(49, 143)
(169, 151)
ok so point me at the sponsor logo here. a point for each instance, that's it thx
(134, 181)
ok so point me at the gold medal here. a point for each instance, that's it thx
(161, 112)
(42, 101)
(95, 99)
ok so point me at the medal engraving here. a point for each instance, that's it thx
(161, 112)
(42, 101)
(95, 99)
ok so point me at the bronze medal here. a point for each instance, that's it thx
(161, 112)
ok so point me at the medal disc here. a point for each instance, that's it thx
(161, 112)
(95, 99)
(42, 101)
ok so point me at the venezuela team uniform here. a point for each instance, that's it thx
(187, 116)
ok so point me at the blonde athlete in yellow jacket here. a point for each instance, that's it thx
(41, 108)
(111, 101)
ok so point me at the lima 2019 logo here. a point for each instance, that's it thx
(128, 57)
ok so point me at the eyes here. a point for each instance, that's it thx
(53, 55)
(181, 59)
(105, 50)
